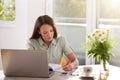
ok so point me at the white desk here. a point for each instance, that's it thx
(113, 75)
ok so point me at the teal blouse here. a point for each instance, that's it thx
(57, 48)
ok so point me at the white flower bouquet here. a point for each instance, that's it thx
(99, 45)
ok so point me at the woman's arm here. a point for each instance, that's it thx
(72, 63)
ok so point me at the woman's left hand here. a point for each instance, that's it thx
(67, 67)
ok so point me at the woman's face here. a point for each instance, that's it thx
(47, 33)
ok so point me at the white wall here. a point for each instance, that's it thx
(15, 35)
(35, 9)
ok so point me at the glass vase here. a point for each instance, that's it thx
(104, 65)
(104, 70)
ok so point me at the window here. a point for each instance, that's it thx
(109, 12)
(76, 18)
(7, 10)
(74, 12)
(109, 17)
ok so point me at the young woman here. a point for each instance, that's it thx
(45, 37)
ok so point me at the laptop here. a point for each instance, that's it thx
(25, 63)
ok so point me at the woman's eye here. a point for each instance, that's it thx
(45, 32)
(51, 31)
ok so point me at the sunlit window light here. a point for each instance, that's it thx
(115, 2)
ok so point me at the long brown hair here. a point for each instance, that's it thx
(41, 20)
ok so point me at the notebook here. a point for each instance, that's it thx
(25, 63)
